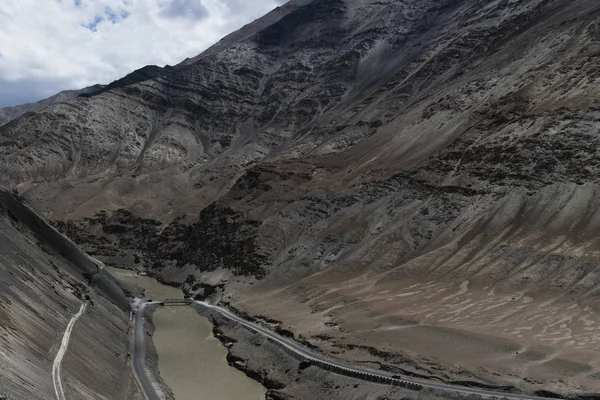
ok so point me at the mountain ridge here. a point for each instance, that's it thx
(7, 114)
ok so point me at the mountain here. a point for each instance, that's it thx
(7, 114)
(140, 75)
(411, 183)
(45, 280)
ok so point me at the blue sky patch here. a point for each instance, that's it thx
(109, 15)
(116, 16)
(94, 25)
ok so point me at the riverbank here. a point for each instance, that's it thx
(287, 378)
(178, 363)
(181, 352)
(151, 357)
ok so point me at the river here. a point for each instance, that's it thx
(190, 359)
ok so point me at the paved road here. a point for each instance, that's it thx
(139, 356)
(304, 353)
(300, 350)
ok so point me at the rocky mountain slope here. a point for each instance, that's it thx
(408, 184)
(7, 114)
(45, 279)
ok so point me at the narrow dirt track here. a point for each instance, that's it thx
(56, 380)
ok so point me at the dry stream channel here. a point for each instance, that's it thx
(190, 359)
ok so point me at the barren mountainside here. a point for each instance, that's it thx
(412, 185)
(45, 279)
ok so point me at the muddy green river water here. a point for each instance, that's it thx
(190, 360)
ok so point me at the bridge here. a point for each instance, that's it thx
(175, 302)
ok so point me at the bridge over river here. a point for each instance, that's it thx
(175, 302)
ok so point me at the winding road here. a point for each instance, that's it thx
(304, 354)
(351, 370)
(64, 345)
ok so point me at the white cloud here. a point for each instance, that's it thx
(193, 9)
(47, 45)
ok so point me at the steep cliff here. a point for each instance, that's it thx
(45, 280)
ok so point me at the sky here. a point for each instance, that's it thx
(47, 46)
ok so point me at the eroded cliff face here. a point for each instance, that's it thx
(412, 184)
(45, 279)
